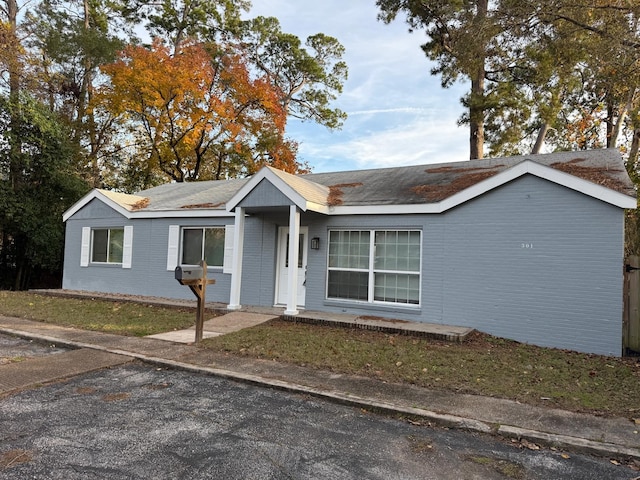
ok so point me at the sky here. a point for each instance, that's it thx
(398, 114)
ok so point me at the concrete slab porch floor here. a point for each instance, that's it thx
(251, 316)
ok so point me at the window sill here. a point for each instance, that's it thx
(105, 264)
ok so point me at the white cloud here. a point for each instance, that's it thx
(398, 112)
(419, 142)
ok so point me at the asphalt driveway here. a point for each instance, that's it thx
(136, 421)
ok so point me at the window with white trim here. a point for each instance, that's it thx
(374, 266)
(203, 243)
(107, 245)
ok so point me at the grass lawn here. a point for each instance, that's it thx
(483, 364)
(122, 318)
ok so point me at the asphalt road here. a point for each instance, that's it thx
(140, 422)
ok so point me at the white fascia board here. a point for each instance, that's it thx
(281, 185)
(182, 213)
(317, 207)
(583, 186)
(407, 209)
(95, 194)
(526, 167)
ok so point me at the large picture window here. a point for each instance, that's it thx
(107, 245)
(374, 265)
(203, 244)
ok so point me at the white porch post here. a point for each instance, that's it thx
(294, 235)
(236, 273)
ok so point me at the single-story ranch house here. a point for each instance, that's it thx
(528, 248)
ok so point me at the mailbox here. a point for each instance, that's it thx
(188, 273)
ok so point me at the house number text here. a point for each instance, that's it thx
(526, 245)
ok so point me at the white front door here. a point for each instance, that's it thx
(282, 274)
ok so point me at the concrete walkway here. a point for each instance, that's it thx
(611, 437)
(230, 322)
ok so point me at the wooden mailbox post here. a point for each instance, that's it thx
(196, 279)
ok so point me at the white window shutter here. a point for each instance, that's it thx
(127, 246)
(227, 265)
(172, 250)
(85, 246)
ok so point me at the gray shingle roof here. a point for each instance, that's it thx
(421, 184)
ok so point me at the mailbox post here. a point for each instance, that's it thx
(196, 279)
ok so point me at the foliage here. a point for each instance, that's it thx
(309, 79)
(197, 114)
(68, 41)
(37, 184)
(176, 21)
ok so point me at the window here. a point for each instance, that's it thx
(107, 245)
(374, 266)
(203, 244)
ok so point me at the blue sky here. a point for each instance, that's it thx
(398, 112)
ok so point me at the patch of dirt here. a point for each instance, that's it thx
(14, 457)
(116, 397)
(203, 205)
(420, 444)
(144, 203)
(336, 192)
(504, 467)
(85, 390)
(592, 174)
(438, 192)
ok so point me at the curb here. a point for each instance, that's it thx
(564, 442)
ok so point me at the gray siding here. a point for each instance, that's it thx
(530, 261)
(259, 262)
(148, 274)
(265, 194)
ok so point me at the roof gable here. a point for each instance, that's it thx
(304, 193)
(122, 203)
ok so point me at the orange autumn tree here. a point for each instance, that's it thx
(197, 114)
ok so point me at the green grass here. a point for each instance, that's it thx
(122, 318)
(482, 365)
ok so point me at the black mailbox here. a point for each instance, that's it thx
(188, 273)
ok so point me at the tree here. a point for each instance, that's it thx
(197, 114)
(175, 21)
(32, 202)
(549, 70)
(69, 41)
(309, 78)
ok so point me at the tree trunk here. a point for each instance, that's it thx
(476, 117)
(476, 103)
(633, 151)
(542, 134)
(623, 111)
(14, 94)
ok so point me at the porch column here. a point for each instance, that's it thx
(236, 272)
(294, 235)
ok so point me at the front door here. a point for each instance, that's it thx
(282, 275)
